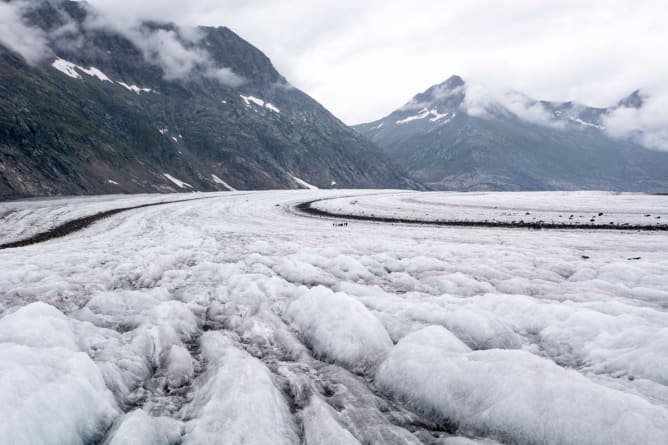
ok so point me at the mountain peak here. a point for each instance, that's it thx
(449, 85)
(633, 100)
(453, 81)
(448, 93)
(460, 135)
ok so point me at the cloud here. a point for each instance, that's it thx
(225, 76)
(167, 49)
(364, 59)
(163, 48)
(173, 50)
(438, 93)
(15, 34)
(646, 125)
(482, 102)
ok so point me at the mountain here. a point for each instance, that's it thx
(152, 107)
(458, 136)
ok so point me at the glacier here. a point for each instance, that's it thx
(239, 319)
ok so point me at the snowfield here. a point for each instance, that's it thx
(236, 319)
(568, 208)
(23, 219)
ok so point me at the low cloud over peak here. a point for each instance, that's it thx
(30, 42)
(174, 49)
(639, 117)
(645, 124)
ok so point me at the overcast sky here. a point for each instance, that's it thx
(364, 58)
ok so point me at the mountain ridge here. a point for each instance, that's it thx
(459, 136)
(155, 108)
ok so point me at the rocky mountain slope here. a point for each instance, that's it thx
(111, 108)
(456, 136)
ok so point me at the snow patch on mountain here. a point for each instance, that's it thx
(67, 68)
(72, 70)
(135, 89)
(577, 120)
(433, 115)
(271, 107)
(94, 72)
(252, 100)
(178, 182)
(217, 180)
(421, 115)
(436, 116)
(304, 184)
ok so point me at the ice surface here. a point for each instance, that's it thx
(514, 395)
(238, 317)
(596, 208)
(158, 331)
(339, 328)
(179, 367)
(139, 428)
(50, 392)
(466, 441)
(237, 401)
(22, 219)
(321, 426)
